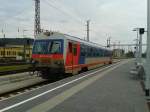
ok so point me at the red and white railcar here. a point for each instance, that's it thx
(56, 52)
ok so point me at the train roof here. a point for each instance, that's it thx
(56, 35)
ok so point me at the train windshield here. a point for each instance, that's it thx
(47, 47)
(41, 47)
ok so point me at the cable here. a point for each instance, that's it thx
(14, 16)
(65, 13)
(66, 10)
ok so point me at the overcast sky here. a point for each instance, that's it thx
(115, 18)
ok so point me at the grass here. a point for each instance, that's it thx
(13, 68)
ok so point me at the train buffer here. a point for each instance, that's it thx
(107, 90)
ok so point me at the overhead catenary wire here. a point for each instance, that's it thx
(14, 16)
(68, 10)
(63, 12)
(7, 23)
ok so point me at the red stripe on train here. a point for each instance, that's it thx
(55, 56)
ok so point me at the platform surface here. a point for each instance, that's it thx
(111, 90)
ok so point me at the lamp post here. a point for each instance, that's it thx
(147, 64)
(24, 46)
(141, 32)
(136, 48)
(137, 44)
(4, 45)
(108, 42)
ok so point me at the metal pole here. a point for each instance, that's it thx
(37, 25)
(119, 49)
(136, 50)
(107, 42)
(137, 45)
(88, 22)
(137, 40)
(24, 46)
(137, 53)
(4, 43)
(147, 65)
(140, 49)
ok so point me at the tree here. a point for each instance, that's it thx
(130, 54)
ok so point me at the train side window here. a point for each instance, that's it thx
(104, 53)
(70, 47)
(97, 54)
(86, 50)
(75, 51)
(100, 52)
(89, 51)
(82, 50)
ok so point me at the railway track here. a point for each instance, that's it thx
(31, 87)
(13, 69)
(14, 72)
(21, 91)
(13, 93)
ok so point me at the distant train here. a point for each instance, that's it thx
(62, 53)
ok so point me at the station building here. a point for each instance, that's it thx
(16, 48)
(118, 53)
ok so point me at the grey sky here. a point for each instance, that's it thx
(115, 18)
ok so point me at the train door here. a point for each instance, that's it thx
(73, 56)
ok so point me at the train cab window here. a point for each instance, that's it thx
(40, 47)
(56, 47)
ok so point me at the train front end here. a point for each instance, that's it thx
(47, 56)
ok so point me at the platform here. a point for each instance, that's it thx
(111, 90)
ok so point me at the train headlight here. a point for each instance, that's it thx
(33, 61)
(58, 62)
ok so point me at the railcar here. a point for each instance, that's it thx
(61, 53)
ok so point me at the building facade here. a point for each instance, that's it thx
(118, 53)
(16, 48)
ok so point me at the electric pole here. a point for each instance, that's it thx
(88, 22)
(147, 65)
(4, 43)
(108, 42)
(141, 32)
(37, 26)
(137, 45)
